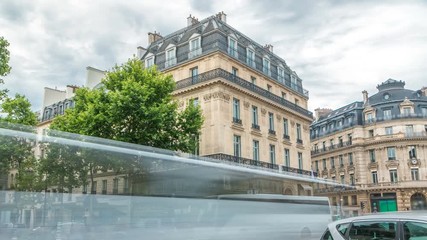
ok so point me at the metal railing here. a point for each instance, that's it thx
(221, 73)
(267, 165)
(394, 117)
(222, 46)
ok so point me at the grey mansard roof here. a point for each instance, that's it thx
(396, 91)
(390, 95)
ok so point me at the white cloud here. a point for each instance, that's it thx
(338, 48)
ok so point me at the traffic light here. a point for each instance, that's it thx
(362, 205)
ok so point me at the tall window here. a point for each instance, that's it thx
(104, 186)
(369, 117)
(194, 72)
(350, 159)
(232, 47)
(352, 178)
(272, 154)
(324, 145)
(342, 179)
(255, 150)
(350, 139)
(371, 133)
(255, 117)
(387, 114)
(341, 159)
(115, 185)
(285, 128)
(409, 130)
(94, 187)
(271, 123)
(195, 49)
(332, 162)
(388, 130)
(374, 177)
(324, 164)
(237, 146)
(266, 66)
(391, 153)
(170, 57)
(268, 87)
(250, 59)
(414, 174)
(340, 141)
(283, 95)
(316, 165)
(287, 158)
(393, 175)
(372, 155)
(281, 73)
(412, 152)
(299, 140)
(300, 163)
(236, 111)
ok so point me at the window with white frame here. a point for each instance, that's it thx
(255, 150)
(250, 57)
(388, 130)
(294, 81)
(369, 117)
(391, 153)
(332, 162)
(255, 117)
(236, 110)
(281, 74)
(149, 61)
(195, 46)
(406, 111)
(374, 175)
(393, 175)
(266, 66)
(372, 155)
(272, 154)
(232, 47)
(285, 128)
(271, 122)
(300, 162)
(387, 114)
(170, 56)
(415, 176)
(299, 136)
(287, 158)
(412, 152)
(409, 130)
(237, 146)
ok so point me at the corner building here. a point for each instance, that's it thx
(378, 145)
(254, 105)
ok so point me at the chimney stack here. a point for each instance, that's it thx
(191, 21)
(269, 47)
(365, 97)
(152, 37)
(140, 51)
(222, 16)
(320, 112)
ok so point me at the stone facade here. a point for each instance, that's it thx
(379, 146)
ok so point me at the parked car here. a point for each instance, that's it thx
(398, 225)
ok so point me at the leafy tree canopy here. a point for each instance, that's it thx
(18, 111)
(4, 63)
(135, 105)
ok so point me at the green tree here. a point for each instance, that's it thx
(133, 105)
(17, 152)
(4, 63)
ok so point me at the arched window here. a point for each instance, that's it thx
(418, 202)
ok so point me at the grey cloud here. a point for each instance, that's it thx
(203, 6)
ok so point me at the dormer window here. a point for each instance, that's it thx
(170, 56)
(232, 47)
(149, 61)
(250, 59)
(195, 46)
(266, 66)
(281, 74)
(294, 81)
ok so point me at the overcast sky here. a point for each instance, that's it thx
(338, 48)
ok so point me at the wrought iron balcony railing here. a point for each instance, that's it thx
(299, 141)
(286, 137)
(240, 56)
(267, 165)
(255, 126)
(221, 73)
(271, 131)
(237, 120)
